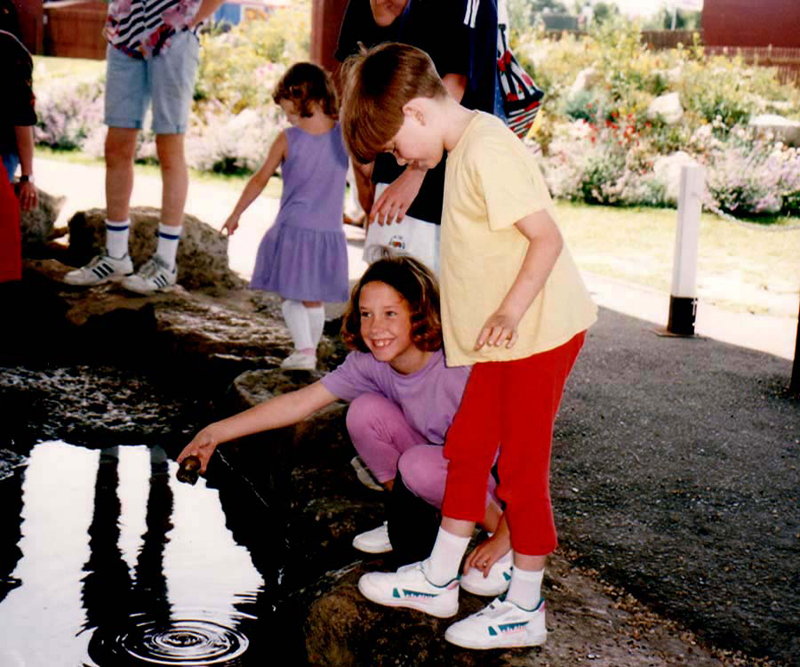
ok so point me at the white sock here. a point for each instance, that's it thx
(295, 314)
(316, 319)
(117, 234)
(526, 588)
(442, 565)
(168, 237)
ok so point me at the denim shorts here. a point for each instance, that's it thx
(167, 80)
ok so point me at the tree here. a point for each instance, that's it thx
(603, 11)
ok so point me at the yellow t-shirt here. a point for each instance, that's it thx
(492, 181)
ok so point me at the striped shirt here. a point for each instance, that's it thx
(142, 28)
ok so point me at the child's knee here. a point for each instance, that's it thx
(424, 471)
(363, 412)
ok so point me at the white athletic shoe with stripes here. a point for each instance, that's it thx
(409, 587)
(152, 276)
(102, 269)
(500, 625)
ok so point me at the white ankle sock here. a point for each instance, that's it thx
(526, 588)
(316, 319)
(295, 314)
(117, 234)
(442, 565)
(168, 238)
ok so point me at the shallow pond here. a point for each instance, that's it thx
(108, 560)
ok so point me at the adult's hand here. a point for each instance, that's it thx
(28, 196)
(392, 205)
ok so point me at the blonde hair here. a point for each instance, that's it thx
(413, 281)
(306, 83)
(377, 84)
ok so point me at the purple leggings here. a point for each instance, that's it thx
(386, 443)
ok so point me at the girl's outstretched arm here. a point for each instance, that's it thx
(544, 247)
(255, 186)
(283, 410)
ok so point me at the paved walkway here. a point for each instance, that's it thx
(84, 188)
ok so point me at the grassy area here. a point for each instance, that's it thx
(748, 268)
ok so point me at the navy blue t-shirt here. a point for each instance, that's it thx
(441, 28)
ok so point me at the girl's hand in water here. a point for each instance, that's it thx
(488, 553)
(500, 329)
(202, 446)
(231, 224)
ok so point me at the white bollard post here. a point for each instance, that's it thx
(683, 301)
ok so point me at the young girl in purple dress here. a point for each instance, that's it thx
(303, 257)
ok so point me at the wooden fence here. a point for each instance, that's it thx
(74, 29)
(785, 60)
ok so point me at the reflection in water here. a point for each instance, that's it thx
(120, 564)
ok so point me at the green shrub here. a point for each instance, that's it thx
(240, 68)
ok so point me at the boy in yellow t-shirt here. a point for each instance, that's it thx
(513, 304)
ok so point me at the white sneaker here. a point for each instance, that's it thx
(375, 541)
(102, 269)
(299, 361)
(364, 475)
(153, 276)
(409, 587)
(501, 625)
(495, 584)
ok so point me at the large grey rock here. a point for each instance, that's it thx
(202, 252)
(37, 225)
(585, 80)
(667, 107)
(667, 169)
(785, 129)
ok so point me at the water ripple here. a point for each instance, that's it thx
(181, 642)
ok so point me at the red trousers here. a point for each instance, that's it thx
(10, 249)
(511, 405)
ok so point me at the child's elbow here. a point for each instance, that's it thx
(558, 241)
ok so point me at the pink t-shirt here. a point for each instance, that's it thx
(428, 398)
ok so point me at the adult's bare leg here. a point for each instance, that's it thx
(174, 178)
(120, 148)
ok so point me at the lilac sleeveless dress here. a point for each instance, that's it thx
(303, 256)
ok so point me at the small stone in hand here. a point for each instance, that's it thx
(189, 470)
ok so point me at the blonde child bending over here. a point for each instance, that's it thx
(303, 257)
(513, 306)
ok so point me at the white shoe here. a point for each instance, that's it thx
(153, 276)
(501, 625)
(102, 269)
(364, 475)
(409, 587)
(375, 541)
(299, 361)
(495, 584)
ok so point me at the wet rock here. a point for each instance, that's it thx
(220, 336)
(37, 225)
(305, 469)
(587, 621)
(10, 462)
(202, 252)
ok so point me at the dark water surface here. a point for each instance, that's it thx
(107, 560)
